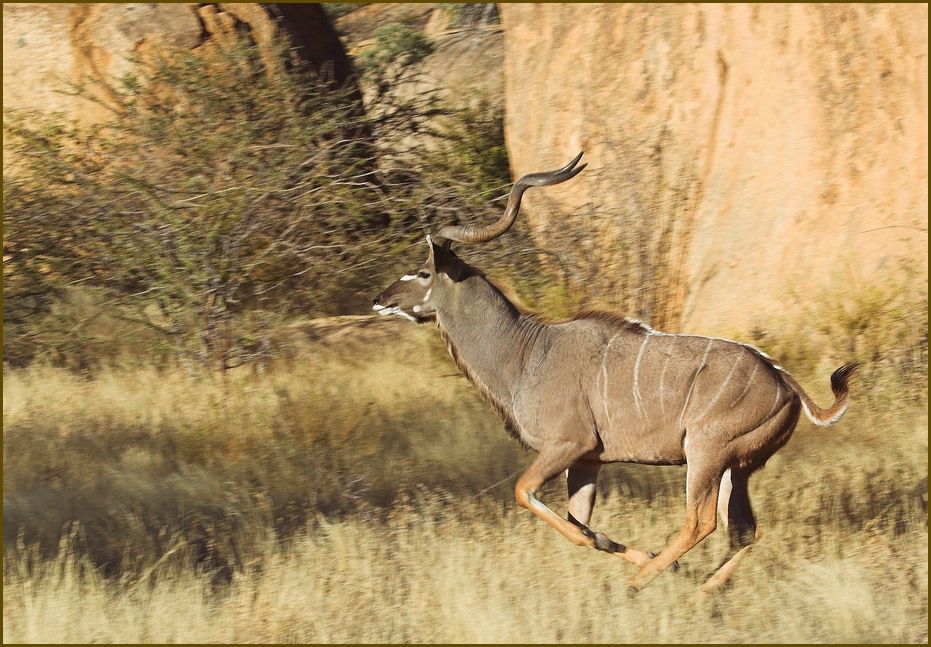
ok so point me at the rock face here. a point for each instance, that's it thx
(742, 159)
(46, 46)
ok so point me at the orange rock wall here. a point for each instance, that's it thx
(756, 154)
(47, 46)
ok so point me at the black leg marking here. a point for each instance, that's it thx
(674, 566)
(603, 543)
(601, 540)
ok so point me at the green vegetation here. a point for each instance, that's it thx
(395, 44)
(219, 197)
(467, 14)
(335, 10)
(476, 150)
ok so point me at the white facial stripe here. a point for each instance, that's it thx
(416, 308)
(394, 310)
(377, 307)
(427, 296)
(408, 277)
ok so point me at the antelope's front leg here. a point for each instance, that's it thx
(553, 460)
(581, 480)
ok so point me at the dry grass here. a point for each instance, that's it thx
(143, 457)
(492, 575)
(326, 498)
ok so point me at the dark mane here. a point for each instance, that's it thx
(613, 318)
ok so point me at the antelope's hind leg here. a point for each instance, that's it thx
(735, 510)
(700, 521)
(734, 502)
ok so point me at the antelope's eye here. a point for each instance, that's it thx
(423, 274)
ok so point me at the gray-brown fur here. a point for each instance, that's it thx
(601, 388)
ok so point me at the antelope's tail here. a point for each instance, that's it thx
(839, 385)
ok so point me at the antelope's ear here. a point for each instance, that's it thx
(444, 259)
(445, 243)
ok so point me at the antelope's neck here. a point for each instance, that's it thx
(488, 338)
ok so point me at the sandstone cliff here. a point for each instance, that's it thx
(742, 159)
(47, 46)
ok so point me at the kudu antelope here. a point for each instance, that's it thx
(601, 388)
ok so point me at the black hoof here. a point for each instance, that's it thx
(603, 543)
(674, 566)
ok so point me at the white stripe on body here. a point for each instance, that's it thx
(637, 399)
(721, 390)
(776, 401)
(604, 376)
(749, 380)
(694, 379)
(662, 396)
